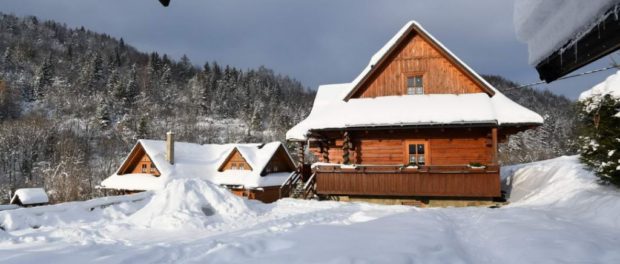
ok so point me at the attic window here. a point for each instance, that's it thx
(415, 85)
(144, 168)
(241, 167)
(153, 168)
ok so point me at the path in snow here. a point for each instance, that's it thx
(558, 215)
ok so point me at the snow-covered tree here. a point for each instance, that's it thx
(600, 137)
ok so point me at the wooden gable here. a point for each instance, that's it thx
(234, 161)
(138, 161)
(418, 54)
(280, 162)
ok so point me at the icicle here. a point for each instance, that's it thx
(576, 51)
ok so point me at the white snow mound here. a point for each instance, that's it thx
(562, 183)
(190, 203)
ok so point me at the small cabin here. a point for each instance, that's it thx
(417, 126)
(30, 197)
(255, 171)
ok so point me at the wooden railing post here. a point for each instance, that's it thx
(494, 139)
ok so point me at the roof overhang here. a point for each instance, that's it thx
(425, 126)
(599, 41)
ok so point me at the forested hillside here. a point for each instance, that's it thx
(73, 102)
(556, 137)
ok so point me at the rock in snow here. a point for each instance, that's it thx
(558, 214)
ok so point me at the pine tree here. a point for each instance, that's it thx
(132, 90)
(600, 137)
(44, 79)
(103, 115)
(143, 129)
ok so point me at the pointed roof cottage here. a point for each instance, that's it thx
(257, 167)
(411, 125)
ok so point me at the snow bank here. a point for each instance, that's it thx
(29, 196)
(99, 209)
(548, 25)
(190, 203)
(563, 183)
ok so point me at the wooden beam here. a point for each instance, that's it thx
(600, 41)
(494, 139)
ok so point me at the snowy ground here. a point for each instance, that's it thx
(558, 214)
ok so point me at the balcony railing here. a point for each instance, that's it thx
(393, 180)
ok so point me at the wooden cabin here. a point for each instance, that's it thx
(417, 126)
(27, 197)
(255, 171)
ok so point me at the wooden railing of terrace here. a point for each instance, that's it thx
(424, 181)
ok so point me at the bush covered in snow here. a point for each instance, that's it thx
(600, 129)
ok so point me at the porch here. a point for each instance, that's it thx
(399, 181)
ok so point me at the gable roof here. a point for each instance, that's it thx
(199, 161)
(28, 196)
(334, 109)
(393, 46)
(229, 156)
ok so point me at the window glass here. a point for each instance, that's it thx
(418, 81)
(410, 90)
(416, 154)
(415, 85)
(412, 159)
(420, 148)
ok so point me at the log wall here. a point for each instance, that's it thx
(456, 146)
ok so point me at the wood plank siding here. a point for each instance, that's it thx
(450, 146)
(235, 161)
(139, 162)
(420, 183)
(417, 57)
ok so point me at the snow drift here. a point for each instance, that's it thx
(190, 203)
(563, 183)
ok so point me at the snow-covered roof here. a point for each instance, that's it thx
(29, 196)
(332, 111)
(611, 86)
(200, 161)
(546, 26)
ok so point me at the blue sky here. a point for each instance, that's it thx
(316, 42)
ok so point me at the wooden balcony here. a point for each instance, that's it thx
(425, 181)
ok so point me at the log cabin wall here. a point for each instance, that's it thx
(417, 57)
(455, 146)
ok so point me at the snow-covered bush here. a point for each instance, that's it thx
(600, 129)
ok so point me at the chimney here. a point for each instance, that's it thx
(170, 147)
